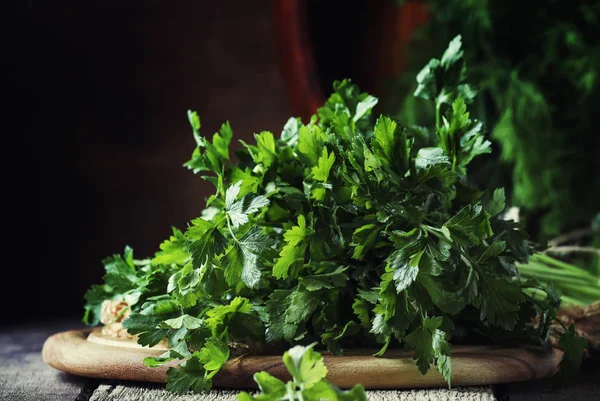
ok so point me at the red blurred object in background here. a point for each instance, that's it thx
(296, 56)
(382, 55)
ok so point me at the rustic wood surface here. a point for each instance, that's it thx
(119, 392)
(25, 376)
(109, 358)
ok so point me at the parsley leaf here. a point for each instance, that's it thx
(173, 250)
(291, 257)
(206, 241)
(239, 211)
(308, 371)
(190, 376)
(324, 164)
(147, 327)
(431, 346)
(573, 347)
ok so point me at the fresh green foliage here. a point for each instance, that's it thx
(348, 231)
(576, 285)
(573, 347)
(308, 383)
(536, 66)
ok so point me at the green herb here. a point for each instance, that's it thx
(573, 269)
(576, 285)
(308, 383)
(348, 231)
(573, 347)
(537, 68)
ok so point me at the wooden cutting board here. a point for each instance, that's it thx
(91, 354)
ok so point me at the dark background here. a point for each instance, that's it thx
(99, 93)
(96, 130)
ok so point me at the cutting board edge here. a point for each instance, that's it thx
(71, 352)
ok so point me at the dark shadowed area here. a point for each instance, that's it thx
(106, 87)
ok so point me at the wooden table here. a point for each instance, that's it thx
(24, 376)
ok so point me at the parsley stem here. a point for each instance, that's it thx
(566, 249)
(119, 316)
(539, 270)
(531, 292)
(582, 289)
(540, 257)
(535, 292)
(231, 231)
(571, 301)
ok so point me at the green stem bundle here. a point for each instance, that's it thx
(577, 285)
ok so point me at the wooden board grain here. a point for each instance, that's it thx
(101, 357)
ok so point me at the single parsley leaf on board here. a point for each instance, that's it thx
(157, 361)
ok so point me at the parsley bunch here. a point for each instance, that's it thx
(348, 231)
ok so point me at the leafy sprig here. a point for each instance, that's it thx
(308, 371)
